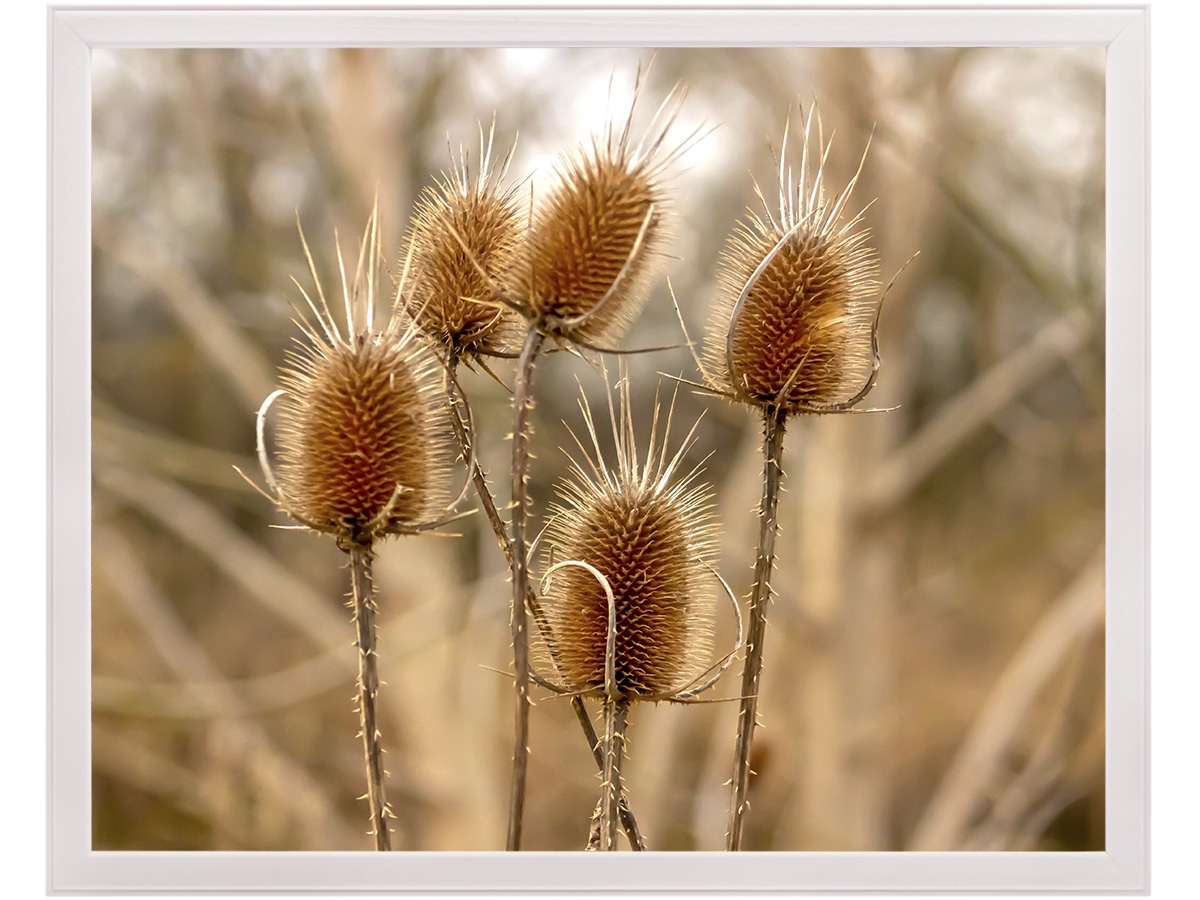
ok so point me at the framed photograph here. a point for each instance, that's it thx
(496, 435)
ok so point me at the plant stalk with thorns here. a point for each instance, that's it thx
(631, 608)
(363, 454)
(582, 278)
(459, 255)
(793, 332)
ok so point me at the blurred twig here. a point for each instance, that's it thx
(973, 407)
(203, 699)
(284, 782)
(262, 576)
(1078, 609)
(120, 440)
(1054, 288)
(238, 360)
(132, 763)
(1014, 815)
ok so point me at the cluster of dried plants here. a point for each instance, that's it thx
(625, 606)
(420, 356)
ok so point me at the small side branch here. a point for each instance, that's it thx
(768, 520)
(362, 589)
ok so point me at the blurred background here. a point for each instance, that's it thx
(934, 675)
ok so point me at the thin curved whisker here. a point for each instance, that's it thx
(686, 337)
(246, 478)
(611, 690)
(740, 305)
(701, 388)
(329, 322)
(614, 351)
(260, 443)
(330, 333)
(722, 665)
(572, 322)
(388, 508)
(337, 246)
(399, 304)
(436, 523)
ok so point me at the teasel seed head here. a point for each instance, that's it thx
(598, 233)
(649, 531)
(794, 324)
(362, 433)
(462, 243)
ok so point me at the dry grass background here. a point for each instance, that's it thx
(934, 672)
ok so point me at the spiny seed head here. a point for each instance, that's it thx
(597, 234)
(794, 323)
(362, 431)
(650, 532)
(461, 245)
(358, 429)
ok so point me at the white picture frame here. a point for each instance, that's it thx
(1122, 867)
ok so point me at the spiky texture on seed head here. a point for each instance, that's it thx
(794, 323)
(361, 420)
(462, 243)
(649, 530)
(363, 435)
(597, 234)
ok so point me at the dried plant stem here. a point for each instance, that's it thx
(616, 716)
(628, 822)
(775, 420)
(460, 420)
(522, 406)
(362, 589)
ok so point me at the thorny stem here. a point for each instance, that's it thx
(522, 405)
(478, 476)
(628, 822)
(488, 502)
(775, 419)
(362, 589)
(616, 716)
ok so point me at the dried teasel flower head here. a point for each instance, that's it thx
(463, 241)
(644, 532)
(597, 234)
(794, 324)
(362, 434)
